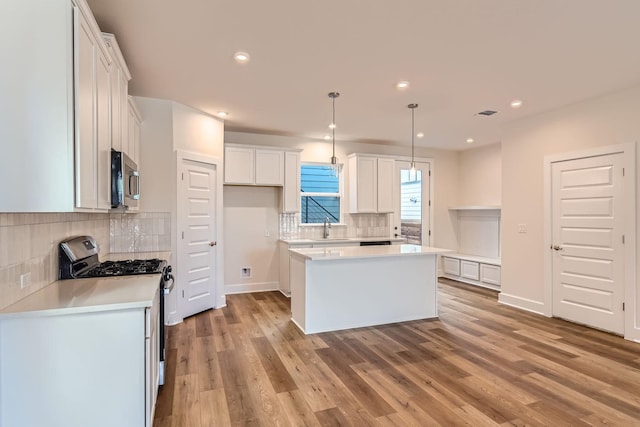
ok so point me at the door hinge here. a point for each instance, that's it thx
(182, 176)
(183, 293)
(183, 235)
(622, 306)
(429, 232)
(623, 239)
(622, 171)
(429, 202)
(429, 173)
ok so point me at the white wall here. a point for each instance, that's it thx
(166, 127)
(156, 155)
(249, 212)
(480, 171)
(197, 132)
(609, 120)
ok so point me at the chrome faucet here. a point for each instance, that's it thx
(327, 226)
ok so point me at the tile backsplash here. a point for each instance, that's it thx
(29, 243)
(354, 225)
(140, 232)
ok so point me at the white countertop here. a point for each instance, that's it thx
(87, 295)
(343, 240)
(352, 252)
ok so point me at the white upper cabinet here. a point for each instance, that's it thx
(133, 138)
(386, 169)
(249, 165)
(103, 131)
(291, 188)
(269, 167)
(56, 125)
(120, 77)
(239, 165)
(370, 184)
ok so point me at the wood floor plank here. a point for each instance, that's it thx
(214, 409)
(186, 402)
(273, 366)
(479, 364)
(297, 409)
(164, 403)
(208, 367)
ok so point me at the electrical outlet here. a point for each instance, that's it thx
(522, 228)
(266, 232)
(245, 272)
(25, 280)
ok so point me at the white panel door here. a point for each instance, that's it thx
(196, 270)
(587, 232)
(412, 202)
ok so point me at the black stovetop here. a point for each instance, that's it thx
(125, 268)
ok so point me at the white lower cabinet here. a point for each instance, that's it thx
(490, 274)
(283, 249)
(471, 269)
(451, 266)
(96, 369)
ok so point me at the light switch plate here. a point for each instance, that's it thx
(522, 228)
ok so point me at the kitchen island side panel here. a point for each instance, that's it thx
(351, 293)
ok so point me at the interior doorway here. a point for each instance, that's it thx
(590, 237)
(197, 237)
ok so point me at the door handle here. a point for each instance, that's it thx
(213, 243)
(556, 247)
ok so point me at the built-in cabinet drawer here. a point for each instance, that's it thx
(470, 270)
(490, 274)
(451, 266)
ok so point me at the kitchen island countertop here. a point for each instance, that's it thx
(352, 252)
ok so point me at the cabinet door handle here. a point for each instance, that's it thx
(213, 243)
(556, 247)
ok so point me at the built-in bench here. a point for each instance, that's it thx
(472, 269)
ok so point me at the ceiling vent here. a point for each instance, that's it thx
(487, 113)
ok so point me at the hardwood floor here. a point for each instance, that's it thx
(479, 364)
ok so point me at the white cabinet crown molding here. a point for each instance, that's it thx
(110, 40)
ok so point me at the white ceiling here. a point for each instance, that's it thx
(460, 56)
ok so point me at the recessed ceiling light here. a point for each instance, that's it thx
(241, 57)
(516, 103)
(332, 126)
(327, 137)
(469, 140)
(420, 135)
(402, 85)
(222, 114)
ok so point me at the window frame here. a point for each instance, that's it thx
(339, 194)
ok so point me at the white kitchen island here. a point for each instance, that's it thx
(350, 287)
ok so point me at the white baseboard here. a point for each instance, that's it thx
(243, 288)
(522, 303)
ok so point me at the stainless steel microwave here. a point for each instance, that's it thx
(125, 181)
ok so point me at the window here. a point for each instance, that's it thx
(320, 192)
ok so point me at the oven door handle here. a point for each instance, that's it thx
(169, 279)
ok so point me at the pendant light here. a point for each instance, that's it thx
(412, 171)
(334, 160)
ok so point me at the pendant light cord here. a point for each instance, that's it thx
(333, 128)
(334, 160)
(413, 107)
